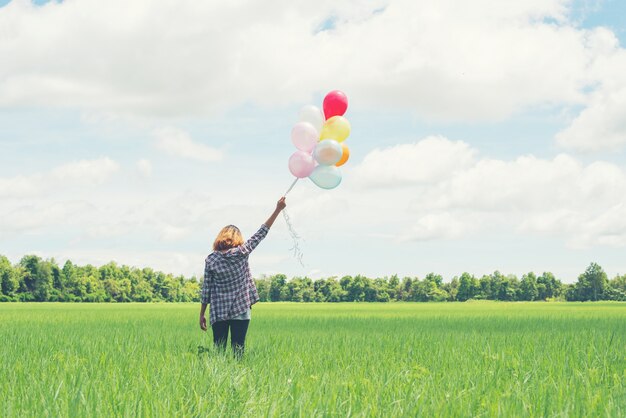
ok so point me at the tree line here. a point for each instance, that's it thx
(36, 279)
(592, 285)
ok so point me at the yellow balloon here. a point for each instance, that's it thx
(337, 128)
(344, 156)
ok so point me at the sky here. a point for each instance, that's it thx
(486, 135)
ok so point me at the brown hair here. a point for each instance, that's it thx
(229, 237)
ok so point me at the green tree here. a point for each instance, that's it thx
(38, 277)
(468, 287)
(548, 286)
(370, 292)
(35, 279)
(263, 288)
(393, 287)
(277, 287)
(142, 291)
(416, 291)
(496, 283)
(429, 289)
(405, 288)
(509, 288)
(383, 291)
(356, 288)
(345, 282)
(452, 288)
(57, 290)
(571, 292)
(300, 290)
(434, 288)
(335, 291)
(94, 291)
(619, 283)
(170, 287)
(321, 289)
(485, 291)
(528, 287)
(592, 284)
(190, 291)
(69, 277)
(9, 282)
(617, 288)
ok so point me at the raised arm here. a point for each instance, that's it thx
(247, 247)
(280, 205)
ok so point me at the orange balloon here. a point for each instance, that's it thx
(344, 155)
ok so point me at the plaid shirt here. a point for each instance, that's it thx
(228, 284)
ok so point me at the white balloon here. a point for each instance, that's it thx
(304, 136)
(314, 116)
(327, 152)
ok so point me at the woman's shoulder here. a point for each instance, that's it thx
(217, 256)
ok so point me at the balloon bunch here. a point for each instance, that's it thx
(320, 138)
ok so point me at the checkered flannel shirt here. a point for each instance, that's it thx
(228, 285)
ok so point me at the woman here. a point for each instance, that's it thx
(228, 284)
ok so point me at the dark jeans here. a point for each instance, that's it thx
(238, 330)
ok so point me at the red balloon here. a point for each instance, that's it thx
(335, 104)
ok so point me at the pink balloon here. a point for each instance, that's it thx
(301, 164)
(304, 136)
(335, 104)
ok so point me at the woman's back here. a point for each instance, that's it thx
(231, 290)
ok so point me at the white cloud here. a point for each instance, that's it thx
(177, 142)
(602, 123)
(19, 186)
(447, 60)
(144, 167)
(414, 163)
(437, 226)
(498, 59)
(437, 189)
(37, 217)
(171, 217)
(582, 204)
(84, 172)
(491, 184)
(609, 228)
(173, 233)
(36, 202)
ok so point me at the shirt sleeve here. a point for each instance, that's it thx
(254, 240)
(205, 294)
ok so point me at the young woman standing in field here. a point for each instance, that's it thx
(228, 285)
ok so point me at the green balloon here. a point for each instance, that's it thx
(326, 176)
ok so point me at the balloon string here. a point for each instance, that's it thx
(297, 252)
(291, 187)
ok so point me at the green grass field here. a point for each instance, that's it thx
(394, 359)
